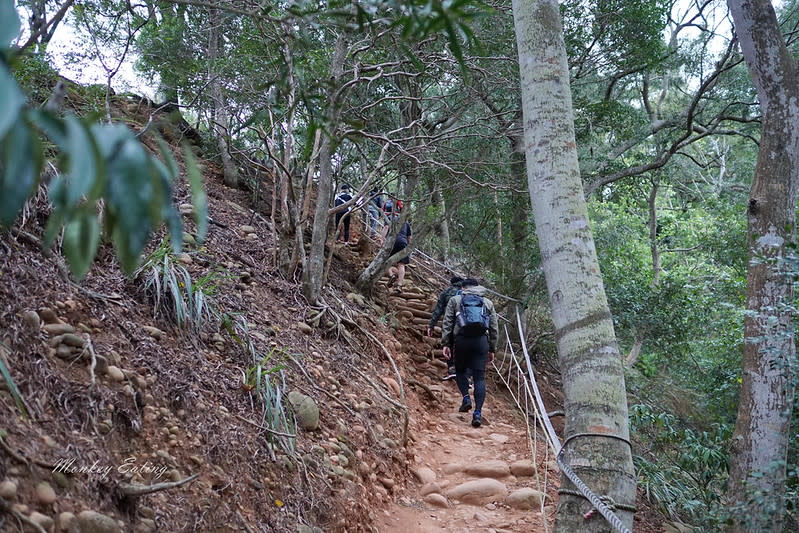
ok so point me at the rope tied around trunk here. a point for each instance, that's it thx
(604, 505)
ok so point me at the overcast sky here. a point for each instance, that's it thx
(65, 40)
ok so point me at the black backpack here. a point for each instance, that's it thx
(473, 318)
(343, 198)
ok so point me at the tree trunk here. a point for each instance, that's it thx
(590, 362)
(313, 275)
(760, 441)
(220, 119)
(442, 226)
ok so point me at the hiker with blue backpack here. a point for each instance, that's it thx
(438, 311)
(469, 336)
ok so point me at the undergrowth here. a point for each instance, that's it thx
(188, 303)
(9, 381)
(266, 380)
(681, 470)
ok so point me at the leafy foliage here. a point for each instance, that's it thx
(186, 302)
(682, 470)
(99, 165)
(35, 76)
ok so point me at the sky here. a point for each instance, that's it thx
(66, 40)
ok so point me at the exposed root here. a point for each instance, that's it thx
(399, 381)
(313, 384)
(423, 386)
(133, 490)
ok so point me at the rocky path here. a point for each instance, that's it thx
(466, 479)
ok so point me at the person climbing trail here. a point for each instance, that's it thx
(396, 273)
(374, 210)
(342, 198)
(438, 310)
(469, 337)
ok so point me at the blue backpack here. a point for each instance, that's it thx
(473, 318)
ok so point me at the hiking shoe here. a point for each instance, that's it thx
(466, 406)
(449, 376)
(477, 419)
(391, 279)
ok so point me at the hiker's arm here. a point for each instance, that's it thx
(493, 331)
(448, 324)
(439, 309)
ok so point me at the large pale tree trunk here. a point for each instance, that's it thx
(760, 440)
(590, 362)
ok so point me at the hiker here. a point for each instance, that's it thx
(396, 273)
(388, 215)
(469, 337)
(374, 209)
(342, 198)
(441, 306)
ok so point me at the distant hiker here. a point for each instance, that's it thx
(441, 306)
(374, 209)
(388, 207)
(342, 198)
(388, 216)
(469, 336)
(396, 273)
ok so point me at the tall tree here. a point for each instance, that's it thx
(220, 120)
(593, 379)
(760, 441)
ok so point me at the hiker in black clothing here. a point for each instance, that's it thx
(469, 336)
(342, 198)
(441, 306)
(396, 273)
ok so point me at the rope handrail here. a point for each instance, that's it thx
(552, 437)
(586, 492)
(528, 400)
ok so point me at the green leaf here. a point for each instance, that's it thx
(51, 125)
(162, 207)
(81, 238)
(11, 97)
(169, 160)
(129, 192)
(9, 23)
(198, 197)
(20, 161)
(12, 387)
(54, 224)
(83, 162)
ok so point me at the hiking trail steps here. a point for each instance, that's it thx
(465, 479)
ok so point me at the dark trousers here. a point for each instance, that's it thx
(471, 354)
(346, 228)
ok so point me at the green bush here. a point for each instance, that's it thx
(682, 470)
(36, 76)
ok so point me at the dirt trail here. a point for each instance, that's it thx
(466, 479)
